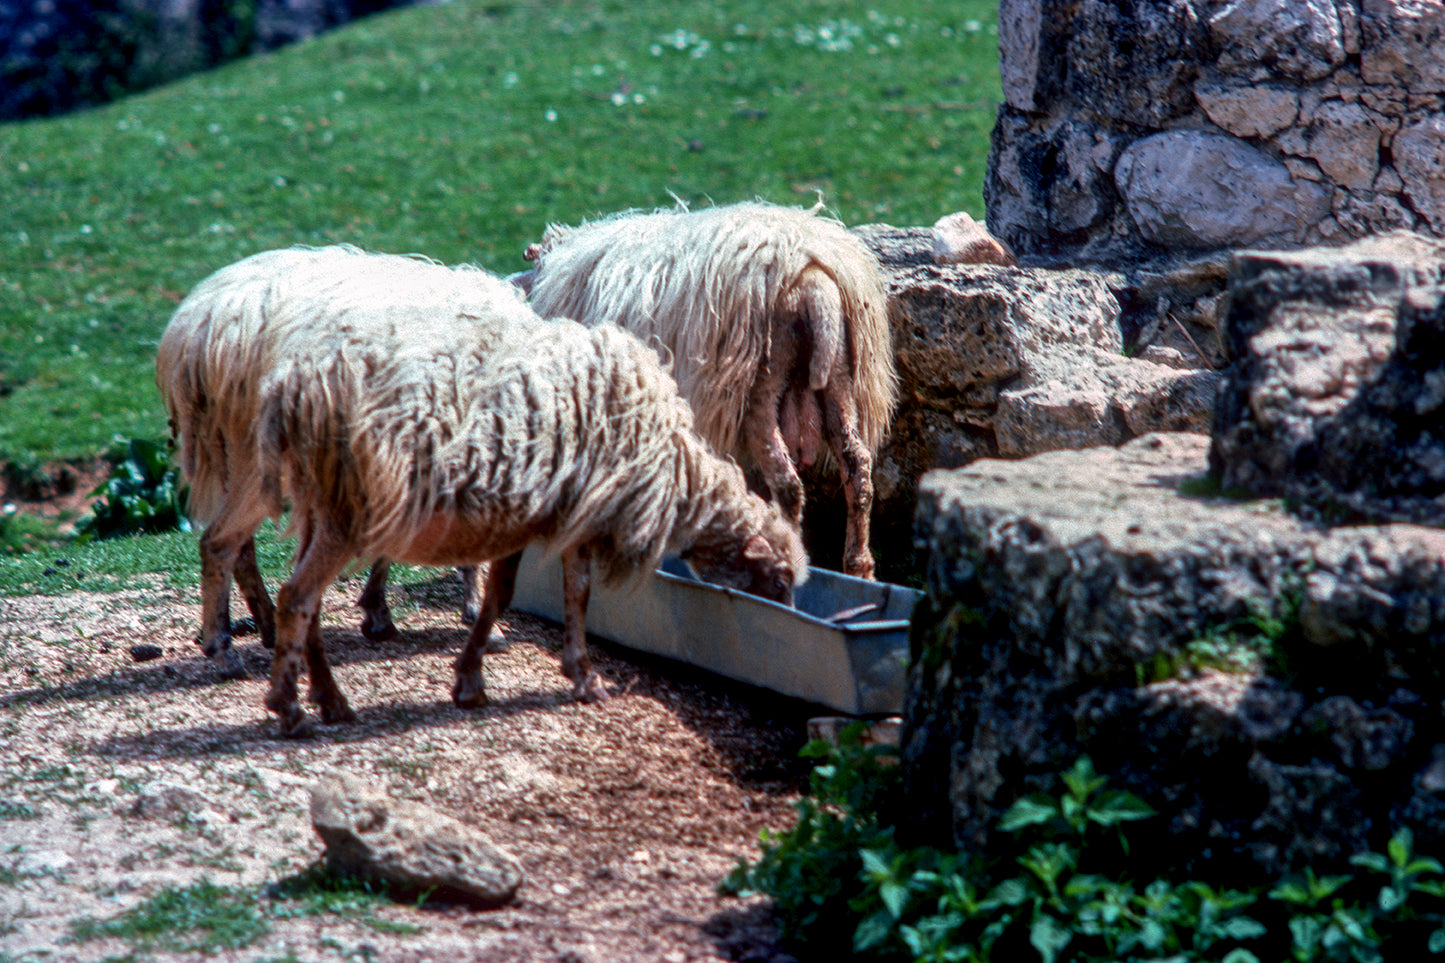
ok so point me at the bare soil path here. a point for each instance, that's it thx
(121, 778)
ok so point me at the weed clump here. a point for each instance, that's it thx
(143, 495)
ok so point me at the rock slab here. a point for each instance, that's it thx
(997, 360)
(408, 845)
(1269, 685)
(1334, 394)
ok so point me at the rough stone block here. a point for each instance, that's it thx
(408, 845)
(1269, 685)
(1401, 44)
(1198, 190)
(1010, 361)
(1336, 381)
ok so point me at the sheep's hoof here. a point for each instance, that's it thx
(497, 642)
(228, 663)
(295, 724)
(469, 693)
(305, 729)
(378, 627)
(592, 690)
(337, 711)
(471, 612)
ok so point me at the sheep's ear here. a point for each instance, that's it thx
(523, 280)
(757, 547)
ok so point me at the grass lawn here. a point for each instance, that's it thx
(459, 131)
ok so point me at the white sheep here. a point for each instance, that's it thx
(574, 437)
(234, 329)
(775, 322)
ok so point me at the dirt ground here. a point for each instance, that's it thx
(624, 815)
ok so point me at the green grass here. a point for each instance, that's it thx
(202, 918)
(315, 891)
(207, 918)
(112, 564)
(460, 131)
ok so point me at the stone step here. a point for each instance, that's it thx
(1270, 684)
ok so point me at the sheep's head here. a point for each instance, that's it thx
(550, 237)
(768, 563)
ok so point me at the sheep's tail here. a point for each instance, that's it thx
(854, 319)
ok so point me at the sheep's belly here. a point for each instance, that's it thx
(446, 540)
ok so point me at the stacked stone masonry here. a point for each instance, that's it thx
(1148, 127)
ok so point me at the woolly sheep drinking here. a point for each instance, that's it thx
(774, 320)
(234, 329)
(577, 439)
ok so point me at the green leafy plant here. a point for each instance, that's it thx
(1257, 641)
(811, 870)
(144, 494)
(1065, 892)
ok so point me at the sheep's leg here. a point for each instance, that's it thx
(472, 606)
(376, 623)
(325, 693)
(855, 461)
(471, 594)
(298, 614)
(220, 550)
(769, 449)
(587, 685)
(469, 691)
(248, 578)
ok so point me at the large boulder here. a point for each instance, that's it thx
(1269, 685)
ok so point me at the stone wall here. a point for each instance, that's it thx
(1269, 685)
(1135, 128)
(1266, 678)
(1335, 386)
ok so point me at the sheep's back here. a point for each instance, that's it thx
(570, 437)
(702, 286)
(237, 326)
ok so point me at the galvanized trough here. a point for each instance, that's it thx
(844, 645)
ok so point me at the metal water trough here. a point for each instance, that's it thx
(844, 645)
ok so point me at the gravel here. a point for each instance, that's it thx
(121, 779)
